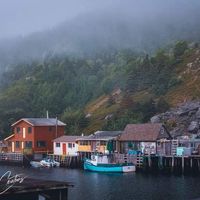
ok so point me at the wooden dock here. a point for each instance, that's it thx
(34, 189)
(18, 159)
(170, 164)
(145, 163)
(67, 161)
(166, 164)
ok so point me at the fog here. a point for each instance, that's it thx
(36, 28)
(22, 17)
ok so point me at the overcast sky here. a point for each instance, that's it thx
(19, 17)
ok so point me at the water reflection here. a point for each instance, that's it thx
(116, 186)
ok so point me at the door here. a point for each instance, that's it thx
(64, 147)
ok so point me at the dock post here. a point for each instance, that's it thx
(149, 161)
(165, 163)
(160, 162)
(182, 164)
(63, 195)
(191, 164)
(173, 163)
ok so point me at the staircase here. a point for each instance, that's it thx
(139, 162)
(125, 158)
(174, 146)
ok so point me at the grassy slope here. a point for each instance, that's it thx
(100, 108)
(187, 89)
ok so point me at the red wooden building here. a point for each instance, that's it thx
(35, 135)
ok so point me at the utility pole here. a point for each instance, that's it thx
(56, 126)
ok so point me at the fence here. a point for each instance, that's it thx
(12, 159)
(15, 157)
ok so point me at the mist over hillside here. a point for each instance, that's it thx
(143, 26)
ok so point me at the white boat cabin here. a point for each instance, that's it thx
(99, 159)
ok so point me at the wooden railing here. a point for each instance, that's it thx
(11, 157)
(126, 158)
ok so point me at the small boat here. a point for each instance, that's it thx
(56, 164)
(100, 163)
(35, 164)
(49, 163)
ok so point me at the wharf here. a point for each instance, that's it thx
(67, 161)
(162, 163)
(18, 159)
(170, 164)
(35, 189)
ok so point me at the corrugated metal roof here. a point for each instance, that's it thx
(107, 133)
(41, 122)
(66, 138)
(141, 132)
(102, 135)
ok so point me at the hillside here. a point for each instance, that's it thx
(102, 92)
(143, 26)
(188, 73)
(183, 90)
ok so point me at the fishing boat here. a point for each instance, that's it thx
(35, 164)
(100, 163)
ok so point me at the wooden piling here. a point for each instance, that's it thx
(172, 164)
(149, 161)
(198, 163)
(183, 164)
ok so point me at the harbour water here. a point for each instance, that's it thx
(110, 186)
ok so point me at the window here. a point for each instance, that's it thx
(28, 144)
(29, 129)
(17, 144)
(41, 144)
(73, 145)
(69, 145)
(18, 129)
(103, 143)
(57, 144)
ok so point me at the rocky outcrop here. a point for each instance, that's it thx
(193, 127)
(182, 120)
